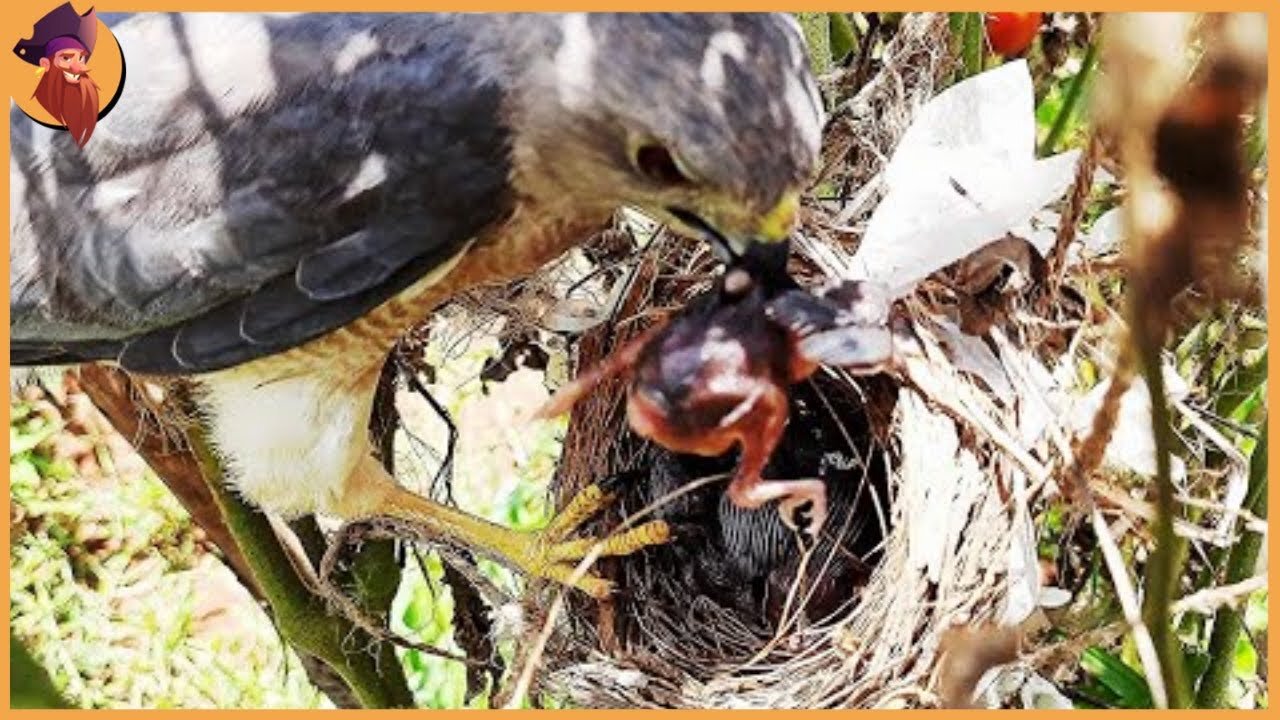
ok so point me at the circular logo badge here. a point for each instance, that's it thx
(67, 71)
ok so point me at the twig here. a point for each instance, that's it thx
(1248, 520)
(1210, 600)
(1145, 510)
(1129, 606)
(1239, 469)
(1081, 187)
(790, 619)
(1090, 451)
(353, 533)
(299, 614)
(249, 544)
(525, 679)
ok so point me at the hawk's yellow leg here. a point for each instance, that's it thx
(549, 553)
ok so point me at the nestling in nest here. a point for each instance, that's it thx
(717, 375)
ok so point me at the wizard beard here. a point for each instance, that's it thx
(74, 104)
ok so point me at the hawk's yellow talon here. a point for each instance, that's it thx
(655, 532)
(589, 501)
(544, 553)
(596, 587)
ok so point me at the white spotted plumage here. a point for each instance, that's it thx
(574, 60)
(725, 43)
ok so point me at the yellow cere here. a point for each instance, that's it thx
(775, 226)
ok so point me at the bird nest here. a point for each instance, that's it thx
(917, 532)
(738, 611)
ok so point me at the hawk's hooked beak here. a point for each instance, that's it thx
(774, 227)
(776, 224)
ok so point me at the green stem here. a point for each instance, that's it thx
(1165, 559)
(1228, 622)
(970, 30)
(1071, 102)
(817, 34)
(301, 616)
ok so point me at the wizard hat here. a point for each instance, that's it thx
(63, 23)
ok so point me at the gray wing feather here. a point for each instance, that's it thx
(262, 180)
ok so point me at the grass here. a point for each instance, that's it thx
(110, 580)
(114, 592)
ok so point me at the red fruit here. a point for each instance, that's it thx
(1011, 33)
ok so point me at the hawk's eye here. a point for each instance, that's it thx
(656, 163)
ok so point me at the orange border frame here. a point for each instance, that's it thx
(8, 13)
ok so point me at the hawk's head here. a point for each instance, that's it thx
(701, 120)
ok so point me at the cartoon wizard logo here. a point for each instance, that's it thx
(60, 48)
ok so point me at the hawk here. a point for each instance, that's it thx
(276, 198)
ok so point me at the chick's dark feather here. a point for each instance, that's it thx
(749, 559)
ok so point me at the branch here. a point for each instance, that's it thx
(1166, 557)
(301, 616)
(374, 572)
(184, 473)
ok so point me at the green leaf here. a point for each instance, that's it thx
(29, 684)
(1066, 120)
(1246, 661)
(817, 35)
(843, 40)
(1127, 683)
(1048, 109)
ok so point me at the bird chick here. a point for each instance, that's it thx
(717, 375)
(750, 561)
